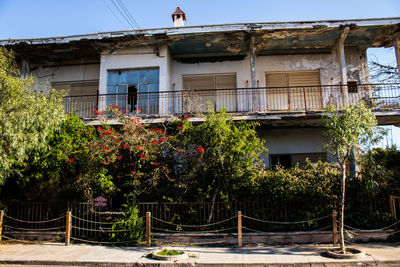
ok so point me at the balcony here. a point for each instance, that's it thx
(260, 100)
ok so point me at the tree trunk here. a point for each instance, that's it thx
(343, 191)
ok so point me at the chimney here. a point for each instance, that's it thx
(178, 17)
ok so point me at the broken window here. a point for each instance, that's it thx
(134, 89)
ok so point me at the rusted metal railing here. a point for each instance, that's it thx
(239, 100)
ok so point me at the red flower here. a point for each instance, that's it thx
(200, 149)
(116, 107)
(126, 146)
(138, 110)
(97, 112)
(138, 148)
(154, 142)
(108, 132)
(180, 126)
(155, 163)
(132, 172)
(142, 156)
(161, 139)
(184, 117)
(105, 149)
(117, 140)
(119, 157)
(99, 128)
(70, 160)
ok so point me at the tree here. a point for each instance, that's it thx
(345, 131)
(27, 118)
(65, 171)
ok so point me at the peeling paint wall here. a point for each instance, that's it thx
(66, 74)
(357, 65)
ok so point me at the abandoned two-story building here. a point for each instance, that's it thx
(282, 75)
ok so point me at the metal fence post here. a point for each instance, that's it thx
(334, 227)
(68, 228)
(240, 240)
(148, 228)
(1, 223)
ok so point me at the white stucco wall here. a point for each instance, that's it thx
(293, 141)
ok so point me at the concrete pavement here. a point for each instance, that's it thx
(290, 255)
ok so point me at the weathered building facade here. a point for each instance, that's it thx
(280, 74)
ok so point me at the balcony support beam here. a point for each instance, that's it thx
(397, 51)
(253, 70)
(341, 57)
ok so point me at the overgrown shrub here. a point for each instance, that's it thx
(130, 227)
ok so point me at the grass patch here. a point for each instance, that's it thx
(169, 252)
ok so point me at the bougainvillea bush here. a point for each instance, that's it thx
(131, 152)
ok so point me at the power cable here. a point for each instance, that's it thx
(128, 13)
(115, 15)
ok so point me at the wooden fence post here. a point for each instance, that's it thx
(240, 240)
(1, 223)
(334, 227)
(392, 207)
(148, 228)
(68, 228)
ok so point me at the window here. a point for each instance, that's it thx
(133, 89)
(83, 97)
(281, 160)
(293, 91)
(352, 87)
(200, 90)
(290, 160)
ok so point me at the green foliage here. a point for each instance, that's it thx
(169, 252)
(27, 118)
(130, 224)
(314, 182)
(380, 172)
(215, 159)
(131, 152)
(67, 170)
(347, 129)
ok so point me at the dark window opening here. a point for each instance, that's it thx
(132, 97)
(352, 87)
(281, 160)
(178, 16)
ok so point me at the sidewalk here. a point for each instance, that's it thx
(293, 255)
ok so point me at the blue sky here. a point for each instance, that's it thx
(46, 18)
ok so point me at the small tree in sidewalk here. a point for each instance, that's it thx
(345, 131)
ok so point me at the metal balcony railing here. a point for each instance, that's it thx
(240, 100)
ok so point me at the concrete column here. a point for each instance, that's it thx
(25, 71)
(397, 51)
(253, 72)
(339, 47)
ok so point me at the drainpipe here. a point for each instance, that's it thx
(339, 47)
(253, 67)
(397, 51)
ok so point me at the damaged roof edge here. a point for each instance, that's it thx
(208, 29)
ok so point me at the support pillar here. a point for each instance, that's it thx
(253, 71)
(339, 47)
(397, 51)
